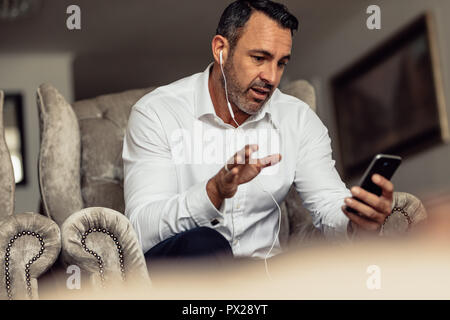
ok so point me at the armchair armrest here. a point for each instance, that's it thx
(408, 211)
(29, 245)
(104, 245)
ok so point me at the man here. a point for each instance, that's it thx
(184, 208)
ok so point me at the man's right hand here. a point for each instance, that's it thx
(241, 169)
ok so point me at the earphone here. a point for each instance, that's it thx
(226, 90)
(256, 178)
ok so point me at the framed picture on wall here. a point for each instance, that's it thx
(15, 135)
(391, 100)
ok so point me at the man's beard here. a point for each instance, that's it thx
(238, 95)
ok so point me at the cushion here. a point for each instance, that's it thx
(59, 158)
(7, 185)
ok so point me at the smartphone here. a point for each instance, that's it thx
(383, 164)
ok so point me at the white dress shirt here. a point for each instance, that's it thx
(175, 143)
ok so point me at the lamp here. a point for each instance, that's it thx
(15, 9)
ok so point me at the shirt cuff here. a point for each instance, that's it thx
(200, 207)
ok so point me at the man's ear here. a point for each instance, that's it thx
(220, 43)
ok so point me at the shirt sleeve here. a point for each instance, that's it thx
(153, 203)
(317, 181)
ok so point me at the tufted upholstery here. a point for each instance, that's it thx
(29, 242)
(103, 122)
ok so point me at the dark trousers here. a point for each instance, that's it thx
(201, 242)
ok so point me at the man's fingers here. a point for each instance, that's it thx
(231, 175)
(381, 204)
(270, 160)
(360, 221)
(236, 159)
(365, 210)
(243, 156)
(249, 149)
(386, 186)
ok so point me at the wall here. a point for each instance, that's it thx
(96, 74)
(421, 174)
(338, 40)
(24, 73)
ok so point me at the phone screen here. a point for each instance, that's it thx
(384, 165)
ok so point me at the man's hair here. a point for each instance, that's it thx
(237, 14)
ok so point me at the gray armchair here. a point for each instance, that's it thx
(29, 242)
(80, 178)
(81, 167)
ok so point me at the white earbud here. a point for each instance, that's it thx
(226, 89)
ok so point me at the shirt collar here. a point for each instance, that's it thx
(204, 103)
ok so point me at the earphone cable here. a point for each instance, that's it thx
(256, 179)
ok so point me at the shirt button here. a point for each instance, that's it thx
(238, 206)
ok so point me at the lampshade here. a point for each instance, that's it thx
(16, 9)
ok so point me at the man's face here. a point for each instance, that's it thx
(254, 68)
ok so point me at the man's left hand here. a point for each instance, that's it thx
(373, 210)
